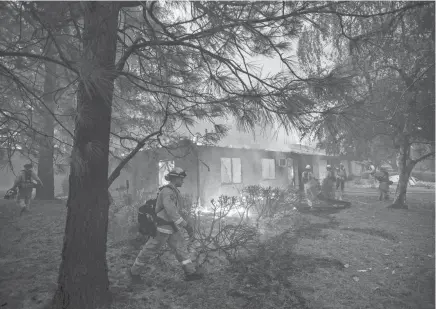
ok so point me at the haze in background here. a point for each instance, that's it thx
(273, 137)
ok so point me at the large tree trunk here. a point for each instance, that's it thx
(405, 167)
(46, 150)
(83, 275)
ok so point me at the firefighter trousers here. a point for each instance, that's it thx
(24, 196)
(177, 244)
(309, 194)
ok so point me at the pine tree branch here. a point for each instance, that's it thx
(130, 50)
(116, 172)
(4, 53)
(402, 9)
(8, 115)
(21, 84)
(428, 155)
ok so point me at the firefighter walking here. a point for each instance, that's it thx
(340, 180)
(24, 183)
(168, 206)
(383, 187)
(328, 183)
(306, 178)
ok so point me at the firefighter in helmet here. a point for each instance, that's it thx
(306, 178)
(340, 180)
(24, 183)
(168, 208)
(328, 183)
(383, 186)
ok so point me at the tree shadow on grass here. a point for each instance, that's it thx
(298, 263)
(373, 232)
(322, 210)
(314, 230)
(276, 262)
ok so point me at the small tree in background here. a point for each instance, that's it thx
(390, 107)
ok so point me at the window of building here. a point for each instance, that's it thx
(164, 168)
(231, 171)
(268, 169)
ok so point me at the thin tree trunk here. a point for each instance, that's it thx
(83, 275)
(405, 168)
(46, 150)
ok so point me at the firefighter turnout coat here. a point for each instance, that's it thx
(168, 207)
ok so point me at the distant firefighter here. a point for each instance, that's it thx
(341, 177)
(307, 176)
(328, 183)
(383, 177)
(24, 183)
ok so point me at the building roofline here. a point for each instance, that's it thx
(289, 151)
(294, 151)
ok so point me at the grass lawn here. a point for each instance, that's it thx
(366, 256)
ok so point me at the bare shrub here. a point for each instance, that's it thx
(224, 230)
(268, 202)
(220, 232)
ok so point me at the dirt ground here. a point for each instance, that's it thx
(366, 256)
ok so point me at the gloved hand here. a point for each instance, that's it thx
(189, 230)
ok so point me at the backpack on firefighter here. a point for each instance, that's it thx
(26, 182)
(148, 220)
